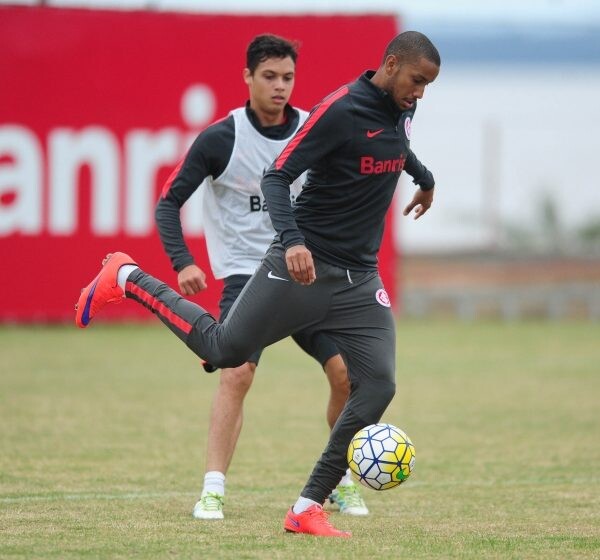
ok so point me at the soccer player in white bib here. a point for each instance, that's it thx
(227, 161)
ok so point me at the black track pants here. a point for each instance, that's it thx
(349, 307)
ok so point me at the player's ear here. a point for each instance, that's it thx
(390, 63)
(247, 75)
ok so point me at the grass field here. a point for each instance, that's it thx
(102, 439)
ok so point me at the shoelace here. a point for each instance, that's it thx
(350, 496)
(212, 502)
(321, 516)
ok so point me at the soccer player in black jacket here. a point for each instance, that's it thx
(227, 161)
(321, 270)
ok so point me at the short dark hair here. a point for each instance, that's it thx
(269, 46)
(411, 45)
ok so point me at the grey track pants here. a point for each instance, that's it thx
(350, 307)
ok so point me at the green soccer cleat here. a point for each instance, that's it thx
(210, 506)
(349, 500)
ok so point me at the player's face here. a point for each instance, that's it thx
(271, 85)
(406, 82)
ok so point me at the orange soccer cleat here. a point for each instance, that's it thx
(313, 521)
(101, 290)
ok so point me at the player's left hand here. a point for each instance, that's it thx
(191, 280)
(300, 265)
(421, 202)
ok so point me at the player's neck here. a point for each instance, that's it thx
(269, 119)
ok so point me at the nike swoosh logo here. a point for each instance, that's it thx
(273, 277)
(373, 133)
(293, 522)
(85, 317)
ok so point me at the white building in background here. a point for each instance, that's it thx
(512, 120)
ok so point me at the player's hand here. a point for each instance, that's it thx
(191, 280)
(421, 202)
(300, 265)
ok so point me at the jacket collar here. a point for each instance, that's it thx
(386, 98)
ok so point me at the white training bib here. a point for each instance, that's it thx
(237, 226)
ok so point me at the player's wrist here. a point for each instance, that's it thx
(293, 241)
(180, 265)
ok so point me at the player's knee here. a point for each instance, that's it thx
(387, 381)
(337, 375)
(239, 378)
(387, 393)
(384, 368)
(340, 387)
(375, 398)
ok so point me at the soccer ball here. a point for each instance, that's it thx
(381, 456)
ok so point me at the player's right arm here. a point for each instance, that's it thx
(208, 156)
(327, 127)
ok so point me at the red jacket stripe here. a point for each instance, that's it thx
(310, 122)
(159, 307)
(175, 171)
(171, 178)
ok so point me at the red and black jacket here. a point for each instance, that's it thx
(354, 144)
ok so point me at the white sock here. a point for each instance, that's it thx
(214, 481)
(124, 273)
(302, 504)
(347, 479)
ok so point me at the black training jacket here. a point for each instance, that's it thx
(354, 144)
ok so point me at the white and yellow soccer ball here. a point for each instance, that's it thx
(381, 456)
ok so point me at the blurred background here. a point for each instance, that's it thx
(101, 98)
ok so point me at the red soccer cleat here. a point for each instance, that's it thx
(313, 521)
(101, 290)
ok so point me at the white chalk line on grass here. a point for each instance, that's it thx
(91, 496)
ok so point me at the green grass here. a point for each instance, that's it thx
(103, 433)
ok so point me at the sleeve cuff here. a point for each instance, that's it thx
(292, 240)
(426, 183)
(181, 264)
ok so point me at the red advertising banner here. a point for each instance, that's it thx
(97, 108)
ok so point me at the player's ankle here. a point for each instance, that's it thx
(124, 273)
(302, 504)
(214, 482)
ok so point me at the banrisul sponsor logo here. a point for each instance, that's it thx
(259, 204)
(371, 166)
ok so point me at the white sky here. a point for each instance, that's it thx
(528, 11)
